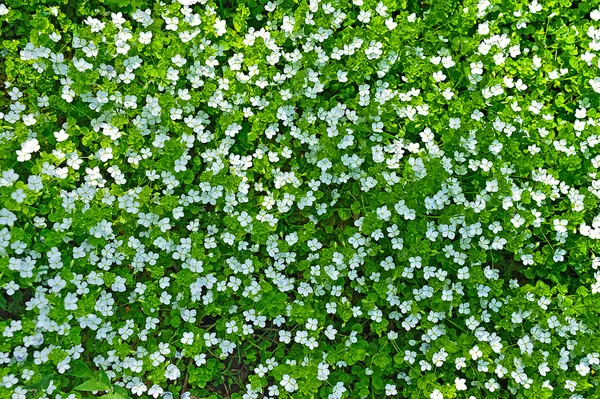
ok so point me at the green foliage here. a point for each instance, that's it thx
(299, 199)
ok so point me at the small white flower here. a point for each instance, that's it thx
(188, 338)
(288, 24)
(61, 135)
(475, 352)
(436, 394)
(312, 324)
(9, 380)
(200, 359)
(364, 16)
(55, 37)
(71, 301)
(288, 383)
(439, 76)
(19, 195)
(460, 384)
(155, 391)
(172, 372)
(595, 83)
(535, 7)
(145, 37)
(391, 24)
(220, 27)
(390, 389)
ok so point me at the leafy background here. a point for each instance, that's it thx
(515, 293)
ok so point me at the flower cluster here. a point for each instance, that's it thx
(300, 199)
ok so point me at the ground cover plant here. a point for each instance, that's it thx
(299, 199)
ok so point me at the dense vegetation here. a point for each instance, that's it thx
(299, 199)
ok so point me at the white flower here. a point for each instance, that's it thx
(19, 195)
(71, 301)
(220, 27)
(61, 135)
(330, 332)
(436, 394)
(11, 287)
(288, 24)
(535, 7)
(312, 324)
(323, 371)
(245, 219)
(145, 37)
(381, 9)
(9, 380)
(570, 385)
(374, 51)
(390, 389)
(475, 352)
(391, 24)
(138, 388)
(364, 16)
(270, 6)
(560, 225)
(460, 384)
(155, 391)
(188, 338)
(289, 383)
(200, 359)
(439, 76)
(595, 83)
(172, 372)
(210, 339)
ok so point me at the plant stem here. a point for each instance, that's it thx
(187, 374)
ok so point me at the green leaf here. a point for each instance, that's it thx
(121, 391)
(344, 214)
(41, 384)
(92, 385)
(112, 396)
(80, 369)
(103, 378)
(582, 291)
(382, 360)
